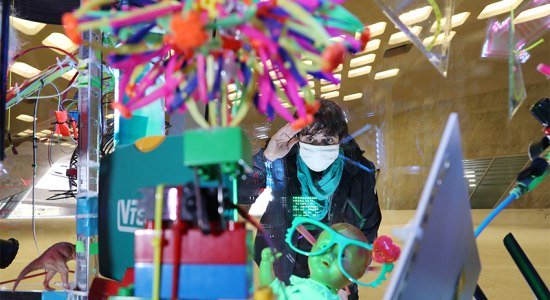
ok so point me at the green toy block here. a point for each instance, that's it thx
(225, 146)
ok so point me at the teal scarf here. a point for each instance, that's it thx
(324, 188)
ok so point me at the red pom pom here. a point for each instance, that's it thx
(302, 122)
(123, 109)
(333, 56)
(70, 23)
(299, 124)
(230, 43)
(187, 33)
(364, 38)
(313, 108)
(384, 250)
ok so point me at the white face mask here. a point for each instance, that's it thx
(318, 158)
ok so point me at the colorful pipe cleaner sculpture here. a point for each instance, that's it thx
(224, 53)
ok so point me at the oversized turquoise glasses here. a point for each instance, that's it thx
(343, 242)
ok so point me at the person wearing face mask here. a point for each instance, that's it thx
(312, 173)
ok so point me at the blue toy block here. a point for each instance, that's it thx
(54, 295)
(197, 281)
(73, 115)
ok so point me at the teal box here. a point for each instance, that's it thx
(54, 295)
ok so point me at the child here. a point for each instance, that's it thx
(326, 278)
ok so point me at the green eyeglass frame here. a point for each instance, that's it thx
(342, 242)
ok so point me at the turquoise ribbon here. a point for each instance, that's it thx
(324, 188)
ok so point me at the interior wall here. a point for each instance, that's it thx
(412, 137)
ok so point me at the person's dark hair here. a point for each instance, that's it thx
(329, 119)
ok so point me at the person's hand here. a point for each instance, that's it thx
(268, 257)
(281, 143)
(53, 260)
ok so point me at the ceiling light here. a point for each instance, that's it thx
(337, 76)
(279, 83)
(109, 116)
(231, 87)
(330, 95)
(273, 75)
(233, 96)
(386, 74)
(40, 134)
(311, 84)
(498, 8)
(269, 64)
(339, 68)
(25, 118)
(337, 39)
(60, 40)
(416, 15)
(401, 37)
(309, 77)
(28, 131)
(359, 71)
(24, 70)
(375, 29)
(427, 41)
(65, 144)
(372, 45)
(46, 131)
(23, 134)
(330, 88)
(456, 20)
(286, 105)
(26, 26)
(308, 62)
(362, 60)
(353, 96)
(69, 74)
(533, 14)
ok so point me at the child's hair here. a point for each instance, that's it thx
(353, 232)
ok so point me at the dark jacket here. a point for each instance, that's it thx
(356, 188)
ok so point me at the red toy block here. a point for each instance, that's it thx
(229, 247)
(128, 277)
(102, 288)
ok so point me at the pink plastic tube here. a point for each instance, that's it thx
(201, 78)
(253, 34)
(147, 81)
(292, 92)
(151, 15)
(544, 69)
(280, 110)
(163, 91)
(266, 89)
